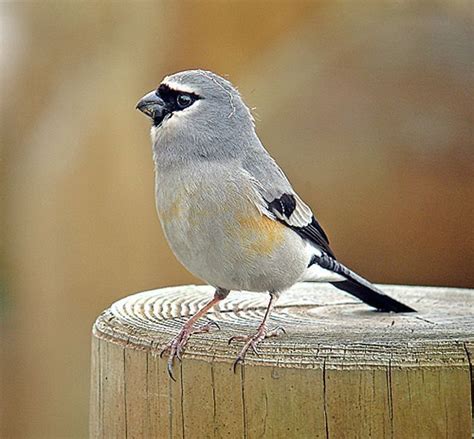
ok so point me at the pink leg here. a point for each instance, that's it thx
(262, 333)
(176, 346)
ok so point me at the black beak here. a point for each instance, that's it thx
(153, 106)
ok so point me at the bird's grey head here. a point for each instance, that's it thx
(197, 113)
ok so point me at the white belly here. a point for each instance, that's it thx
(220, 236)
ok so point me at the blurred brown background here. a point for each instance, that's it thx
(367, 105)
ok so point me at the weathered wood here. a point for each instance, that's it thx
(342, 371)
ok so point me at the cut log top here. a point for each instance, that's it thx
(324, 326)
(341, 371)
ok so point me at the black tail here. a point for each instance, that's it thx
(371, 295)
(361, 288)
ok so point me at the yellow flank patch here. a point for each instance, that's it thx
(260, 234)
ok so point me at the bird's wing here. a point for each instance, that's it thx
(282, 203)
(278, 200)
(293, 212)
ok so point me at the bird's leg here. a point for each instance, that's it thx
(176, 346)
(262, 333)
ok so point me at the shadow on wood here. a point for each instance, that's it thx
(342, 371)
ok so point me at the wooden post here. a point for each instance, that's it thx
(342, 370)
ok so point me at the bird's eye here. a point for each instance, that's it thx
(184, 100)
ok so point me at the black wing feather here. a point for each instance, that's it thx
(285, 206)
(314, 233)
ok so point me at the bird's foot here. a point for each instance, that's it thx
(176, 346)
(251, 341)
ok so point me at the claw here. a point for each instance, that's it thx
(206, 328)
(212, 322)
(243, 338)
(170, 370)
(176, 346)
(275, 332)
(236, 362)
(252, 342)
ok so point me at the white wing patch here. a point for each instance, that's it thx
(277, 200)
(292, 211)
(298, 216)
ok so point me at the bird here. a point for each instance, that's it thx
(228, 211)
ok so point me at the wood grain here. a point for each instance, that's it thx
(342, 370)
